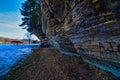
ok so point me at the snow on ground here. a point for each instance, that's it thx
(10, 53)
(105, 66)
(70, 53)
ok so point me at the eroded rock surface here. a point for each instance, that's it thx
(89, 27)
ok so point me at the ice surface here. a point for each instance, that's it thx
(102, 65)
(10, 53)
(105, 66)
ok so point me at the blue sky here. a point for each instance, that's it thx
(10, 19)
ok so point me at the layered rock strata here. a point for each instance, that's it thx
(88, 27)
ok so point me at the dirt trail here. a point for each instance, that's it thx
(49, 64)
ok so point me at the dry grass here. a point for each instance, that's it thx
(49, 64)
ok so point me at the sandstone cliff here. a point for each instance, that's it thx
(89, 27)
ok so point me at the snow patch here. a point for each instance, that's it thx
(10, 53)
(114, 71)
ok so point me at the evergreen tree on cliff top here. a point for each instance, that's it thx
(32, 17)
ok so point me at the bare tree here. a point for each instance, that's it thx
(29, 36)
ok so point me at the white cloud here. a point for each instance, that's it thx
(9, 25)
(5, 25)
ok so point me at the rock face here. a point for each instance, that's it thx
(88, 27)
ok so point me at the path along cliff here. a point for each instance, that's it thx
(50, 64)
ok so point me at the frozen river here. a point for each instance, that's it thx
(10, 53)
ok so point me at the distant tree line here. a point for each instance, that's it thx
(4, 40)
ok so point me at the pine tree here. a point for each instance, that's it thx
(32, 17)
